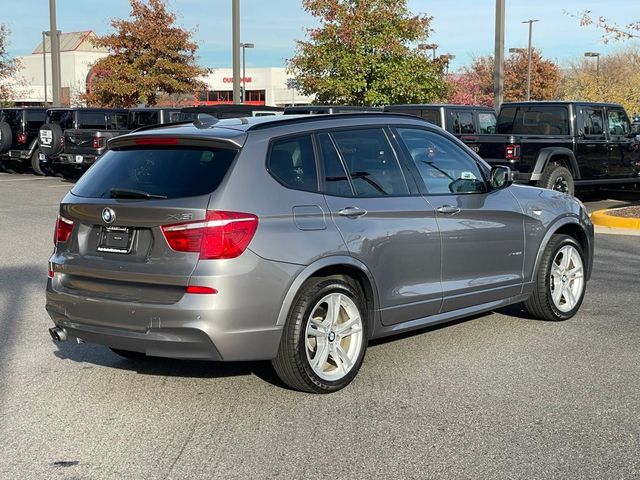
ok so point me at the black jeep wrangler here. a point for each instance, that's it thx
(19, 137)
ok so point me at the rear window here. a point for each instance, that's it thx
(92, 120)
(142, 119)
(534, 120)
(170, 172)
(13, 118)
(64, 118)
(35, 119)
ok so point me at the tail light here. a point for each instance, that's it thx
(22, 138)
(512, 151)
(64, 227)
(97, 142)
(221, 235)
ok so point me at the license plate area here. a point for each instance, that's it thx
(116, 239)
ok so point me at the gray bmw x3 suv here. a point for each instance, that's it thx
(299, 239)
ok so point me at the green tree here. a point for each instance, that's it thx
(8, 67)
(364, 52)
(149, 56)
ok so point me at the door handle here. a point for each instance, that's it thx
(352, 212)
(447, 209)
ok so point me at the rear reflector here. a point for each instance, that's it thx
(221, 235)
(97, 142)
(156, 141)
(63, 230)
(201, 290)
(50, 274)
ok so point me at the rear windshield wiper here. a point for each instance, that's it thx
(127, 193)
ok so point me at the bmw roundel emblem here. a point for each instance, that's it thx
(108, 215)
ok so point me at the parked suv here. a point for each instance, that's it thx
(299, 239)
(19, 137)
(561, 145)
(467, 122)
(323, 109)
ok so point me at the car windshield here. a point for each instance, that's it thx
(167, 172)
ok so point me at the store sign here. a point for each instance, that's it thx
(230, 80)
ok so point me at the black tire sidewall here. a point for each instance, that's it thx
(56, 136)
(6, 137)
(35, 163)
(555, 172)
(555, 248)
(321, 290)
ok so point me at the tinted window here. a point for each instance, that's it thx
(13, 118)
(444, 167)
(293, 162)
(432, 116)
(462, 122)
(534, 120)
(64, 118)
(618, 123)
(142, 119)
(171, 172)
(487, 122)
(592, 121)
(335, 176)
(92, 120)
(35, 119)
(119, 121)
(371, 163)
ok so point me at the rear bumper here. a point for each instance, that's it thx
(19, 155)
(75, 159)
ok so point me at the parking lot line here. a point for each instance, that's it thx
(61, 185)
(25, 179)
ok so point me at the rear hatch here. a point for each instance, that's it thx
(116, 247)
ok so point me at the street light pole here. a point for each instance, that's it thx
(597, 55)
(44, 64)
(235, 41)
(530, 22)
(498, 69)
(55, 54)
(429, 46)
(244, 70)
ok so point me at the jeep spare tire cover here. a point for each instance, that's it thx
(50, 139)
(6, 137)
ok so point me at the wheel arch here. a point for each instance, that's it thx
(573, 227)
(336, 267)
(562, 154)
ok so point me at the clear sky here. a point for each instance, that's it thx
(464, 28)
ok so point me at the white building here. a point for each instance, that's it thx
(77, 55)
(264, 86)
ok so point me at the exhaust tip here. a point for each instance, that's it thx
(58, 334)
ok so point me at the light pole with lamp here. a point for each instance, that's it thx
(244, 46)
(429, 46)
(447, 57)
(530, 22)
(597, 56)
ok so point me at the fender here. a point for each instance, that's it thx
(545, 154)
(552, 229)
(307, 272)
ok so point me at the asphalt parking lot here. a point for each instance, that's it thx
(496, 396)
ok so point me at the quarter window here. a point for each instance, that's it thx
(463, 122)
(371, 163)
(292, 161)
(445, 168)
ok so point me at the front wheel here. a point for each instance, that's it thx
(325, 337)
(560, 281)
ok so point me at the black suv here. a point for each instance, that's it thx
(467, 122)
(19, 137)
(561, 145)
(188, 114)
(327, 109)
(69, 132)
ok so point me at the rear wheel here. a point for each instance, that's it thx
(557, 177)
(35, 163)
(560, 281)
(325, 337)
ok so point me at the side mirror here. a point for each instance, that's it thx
(501, 177)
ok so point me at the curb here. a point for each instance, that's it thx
(601, 218)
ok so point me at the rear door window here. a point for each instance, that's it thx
(487, 122)
(168, 172)
(92, 120)
(292, 162)
(592, 122)
(371, 162)
(336, 180)
(462, 122)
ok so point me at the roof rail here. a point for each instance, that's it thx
(292, 119)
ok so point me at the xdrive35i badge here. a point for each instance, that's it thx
(108, 215)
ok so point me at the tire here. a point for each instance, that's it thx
(556, 177)
(303, 339)
(541, 304)
(50, 139)
(6, 137)
(35, 163)
(128, 354)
